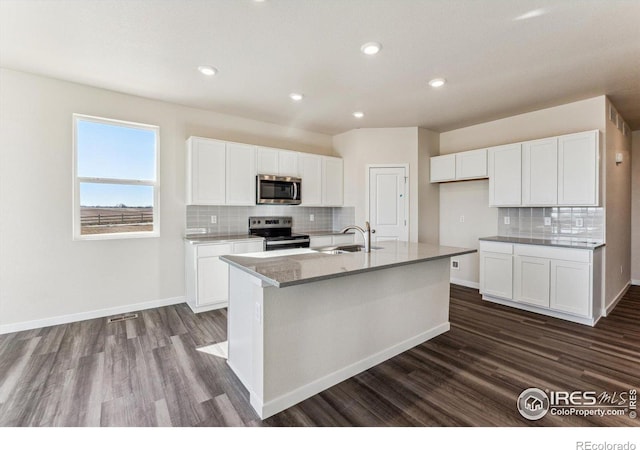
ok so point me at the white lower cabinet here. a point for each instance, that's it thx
(329, 240)
(570, 282)
(531, 280)
(555, 281)
(206, 277)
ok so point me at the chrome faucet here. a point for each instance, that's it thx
(366, 234)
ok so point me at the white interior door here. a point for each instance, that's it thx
(388, 204)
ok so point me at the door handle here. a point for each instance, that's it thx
(373, 231)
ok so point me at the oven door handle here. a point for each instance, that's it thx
(292, 241)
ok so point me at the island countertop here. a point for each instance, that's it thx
(298, 266)
(577, 243)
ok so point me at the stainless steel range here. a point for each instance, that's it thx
(276, 232)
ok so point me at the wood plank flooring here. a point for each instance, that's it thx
(146, 372)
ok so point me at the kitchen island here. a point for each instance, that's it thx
(300, 321)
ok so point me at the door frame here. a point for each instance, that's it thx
(407, 190)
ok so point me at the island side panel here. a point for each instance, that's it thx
(318, 334)
(244, 330)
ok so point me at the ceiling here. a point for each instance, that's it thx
(495, 66)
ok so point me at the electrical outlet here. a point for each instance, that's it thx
(579, 222)
(455, 264)
(214, 219)
(547, 221)
(461, 219)
(507, 220)
(312, 217)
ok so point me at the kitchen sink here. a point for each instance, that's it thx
(337, 250)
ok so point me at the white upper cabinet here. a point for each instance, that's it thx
(224, 173)
(267, 161)
(443, 168)
(505, 175)
(310, 167)
(540, 172)
(241, 168)
(288, 163)
(471, 164)
(271, 161)
(578, 169)
(206, 179)
(332, 181)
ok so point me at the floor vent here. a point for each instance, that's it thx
(122, 318)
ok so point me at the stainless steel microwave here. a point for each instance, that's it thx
(275, 190)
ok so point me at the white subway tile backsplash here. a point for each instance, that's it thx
(235, 219)
(529, 222)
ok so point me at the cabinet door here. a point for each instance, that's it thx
(531, 280)
(496, 274)
(505, 175)
(578, 169)
(213, 275)
(205, 172)
(343, 239)
(571, 287)
(288, 163)
(443, 168)
(311, 174)
(248, 247)
(267, 161)
(540, 172)
(332, 181)
(320, 241)
(241, 167)
(472, 164)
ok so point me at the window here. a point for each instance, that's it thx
(116, 185)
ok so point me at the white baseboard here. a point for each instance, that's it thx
(200, 309)
(465, 283)
(303, 392)
(544, 311)
(635, 282)
(608, 308)
(58, 320)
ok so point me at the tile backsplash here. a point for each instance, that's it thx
(587, 223)
(234, 219)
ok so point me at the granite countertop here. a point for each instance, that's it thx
(577, 243)
(219, 238)
(298, 266)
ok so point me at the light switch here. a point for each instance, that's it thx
(547, 221)
(507, 220)
(214, 219)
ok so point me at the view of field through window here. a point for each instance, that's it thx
(116, 172)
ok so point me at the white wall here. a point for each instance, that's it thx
(378, 146)
(470, 198)
(44, 273)
(617, 191)
(635, 208)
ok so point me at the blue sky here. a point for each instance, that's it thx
(111, 151)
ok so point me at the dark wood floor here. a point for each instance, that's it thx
(146, 372)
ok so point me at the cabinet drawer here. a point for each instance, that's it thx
(560, 253)
(254, 245)
(320, 241)
(214, 250)
(496, 247)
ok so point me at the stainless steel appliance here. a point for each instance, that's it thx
(275, 190)
(276, 232)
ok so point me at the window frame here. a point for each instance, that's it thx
(155, 184)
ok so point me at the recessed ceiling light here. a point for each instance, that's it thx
(296, 97)
(358, 114)
(530, 14)
(437, 82)
(208, 70)
(371, 48)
